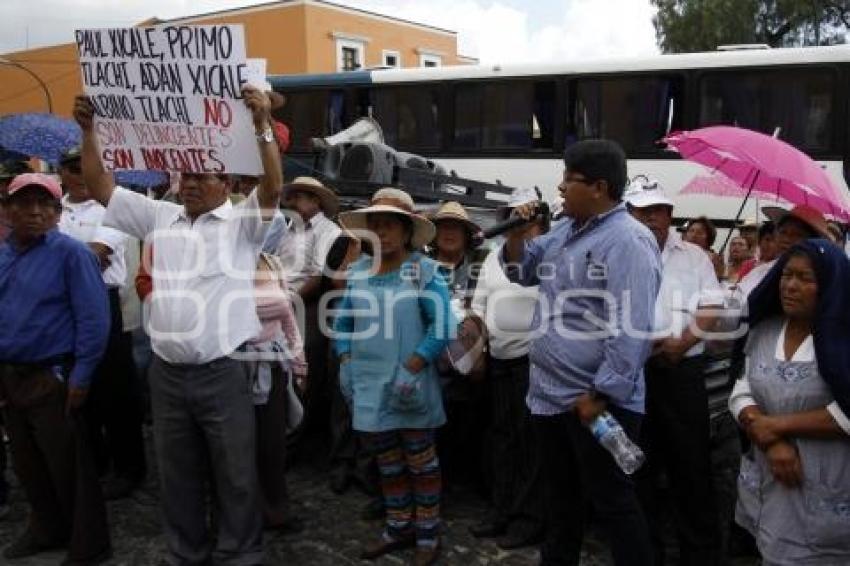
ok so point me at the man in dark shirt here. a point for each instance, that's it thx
(55, 319)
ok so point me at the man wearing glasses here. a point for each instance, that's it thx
(598, 271)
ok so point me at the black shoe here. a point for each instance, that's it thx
(290, 526)
(26, 545)
(340, 480)
(520, 538)
(373, 510)
(118, 488)
(99, 558)
(489, 529)
(383, 546)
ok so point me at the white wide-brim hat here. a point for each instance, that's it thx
(641, 194)
(391, 201)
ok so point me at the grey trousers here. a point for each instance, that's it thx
(204, 433)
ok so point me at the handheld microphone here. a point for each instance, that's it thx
(514, 221)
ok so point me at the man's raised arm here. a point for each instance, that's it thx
(99, 181)
(271, 183)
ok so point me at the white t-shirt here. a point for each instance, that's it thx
(688, 281)
(304, 250)
(506, 308)
(83, 221)
(202, 306)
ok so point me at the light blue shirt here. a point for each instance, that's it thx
(592, 324)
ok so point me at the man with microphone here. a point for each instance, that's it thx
(598, 273)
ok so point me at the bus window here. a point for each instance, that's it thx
(636, 112)
(409, 116)
(305, 113)
(336, 112)
(507, 115)
(799, 102)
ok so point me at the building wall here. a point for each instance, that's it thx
(297, 38)
(324, 21)
(57, 66)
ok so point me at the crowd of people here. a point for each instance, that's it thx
(430, 360)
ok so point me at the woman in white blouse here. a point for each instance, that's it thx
(793, 402)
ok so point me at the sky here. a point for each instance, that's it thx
(495, 31)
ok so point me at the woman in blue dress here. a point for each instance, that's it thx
(392, 323)
(793, 402)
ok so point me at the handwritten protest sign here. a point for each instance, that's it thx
(169, 98)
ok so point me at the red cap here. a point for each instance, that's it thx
(35, 179)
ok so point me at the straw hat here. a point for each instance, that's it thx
(805, 214)
(328, 198)
(393, 201)
(455, 211)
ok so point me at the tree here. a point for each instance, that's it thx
(683, 26)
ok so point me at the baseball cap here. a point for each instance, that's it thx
(642, 193)
(70, 155)
(46, 182)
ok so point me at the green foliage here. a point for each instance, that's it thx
(683, 26)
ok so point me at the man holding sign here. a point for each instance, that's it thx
(201, 311)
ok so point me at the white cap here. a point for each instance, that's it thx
(643, 192)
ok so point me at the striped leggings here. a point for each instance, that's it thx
(410, 482)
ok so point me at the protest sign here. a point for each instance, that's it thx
(169, 98)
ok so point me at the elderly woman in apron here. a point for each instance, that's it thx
(793, 402)
(393, 321)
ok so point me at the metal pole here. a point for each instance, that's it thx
(4, 61)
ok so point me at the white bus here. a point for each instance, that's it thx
(512, 122)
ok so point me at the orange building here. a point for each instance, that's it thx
(295, 36)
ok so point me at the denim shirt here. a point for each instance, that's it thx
(591, 329)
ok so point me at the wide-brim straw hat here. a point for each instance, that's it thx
(805, 214)
(327, 197)
(455, 211)
(392, 201)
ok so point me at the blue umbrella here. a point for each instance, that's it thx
(40, 135)
(146, 179)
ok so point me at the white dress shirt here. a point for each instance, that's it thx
(202, 306)
(688, 281)
(304, 250)
(506, 308)
(83, 221)
(742, 396)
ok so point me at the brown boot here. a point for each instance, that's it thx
(426, 555)
(384, 546)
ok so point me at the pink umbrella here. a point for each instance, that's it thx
(721, 186)
(760, 163)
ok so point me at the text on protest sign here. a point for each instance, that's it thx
(169, 98)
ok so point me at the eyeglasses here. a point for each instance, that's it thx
(572, 180)
(202, 179)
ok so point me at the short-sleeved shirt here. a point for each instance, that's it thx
(202, 306)
(83, 221)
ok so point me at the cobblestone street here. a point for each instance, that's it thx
(334, 531)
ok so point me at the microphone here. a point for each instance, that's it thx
(514, 221)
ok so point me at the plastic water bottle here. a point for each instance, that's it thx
(611, 435)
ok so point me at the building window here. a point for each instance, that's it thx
(350, 55)
(430, 60)
(391, 59)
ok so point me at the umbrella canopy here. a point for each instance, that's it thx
(759, 163)
(40, 135)
(721, 186)
(146, 179)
